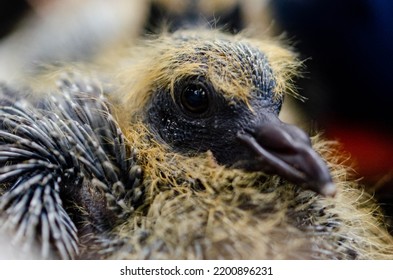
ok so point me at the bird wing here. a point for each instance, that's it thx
(60, 148)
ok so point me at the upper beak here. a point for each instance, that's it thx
(285, 150)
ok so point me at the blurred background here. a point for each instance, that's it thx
(346, 45)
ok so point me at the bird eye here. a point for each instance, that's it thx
(195, 98)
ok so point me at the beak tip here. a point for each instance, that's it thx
(328, 189)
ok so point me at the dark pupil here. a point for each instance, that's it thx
(195, 99)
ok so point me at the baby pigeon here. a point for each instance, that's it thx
(175, 151)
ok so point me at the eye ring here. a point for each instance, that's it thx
(195, 98)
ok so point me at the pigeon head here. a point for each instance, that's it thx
(209, 92)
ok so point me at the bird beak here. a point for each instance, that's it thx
(285, 150)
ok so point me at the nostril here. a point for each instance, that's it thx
(275, 137)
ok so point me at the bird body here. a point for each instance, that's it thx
(176, 152)
(199, 209)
